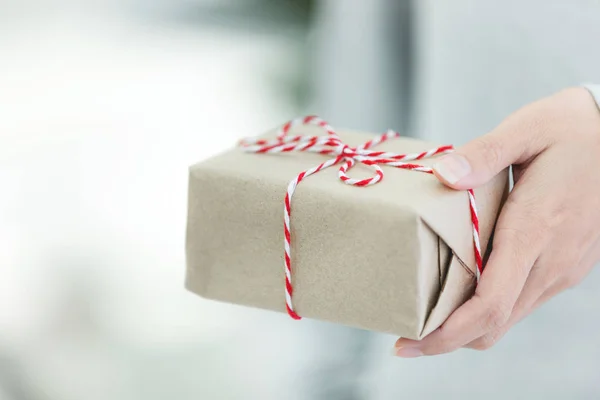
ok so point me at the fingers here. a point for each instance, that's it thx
(551, 200)
(520, 236)
(490, 339)
(535, 292)
(515, 251)
(480, 160)
(551, 275)
(527, 307)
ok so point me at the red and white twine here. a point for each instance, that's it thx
(332, 145)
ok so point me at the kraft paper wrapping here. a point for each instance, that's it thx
(396, 257)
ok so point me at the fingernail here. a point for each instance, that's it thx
(408, 352)
(452, 168)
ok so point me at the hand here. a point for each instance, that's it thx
(547, 235)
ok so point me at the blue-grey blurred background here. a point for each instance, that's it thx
(105, 103)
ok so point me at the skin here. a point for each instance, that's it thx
(548, 234)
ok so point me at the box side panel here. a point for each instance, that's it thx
(234, 241)
(357, 264)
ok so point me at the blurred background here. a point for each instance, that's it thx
(103, 106)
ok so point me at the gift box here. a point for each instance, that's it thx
(380, 245)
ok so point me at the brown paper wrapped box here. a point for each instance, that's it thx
(396, 257)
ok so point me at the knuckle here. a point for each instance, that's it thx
(520, 229)
(523, 237)
(532, 212)
(496, 317)
(515, 237)
(517, 245)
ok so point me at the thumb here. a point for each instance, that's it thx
(480, 160)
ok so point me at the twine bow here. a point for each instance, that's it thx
(332, 145)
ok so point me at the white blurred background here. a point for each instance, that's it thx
(103, 106)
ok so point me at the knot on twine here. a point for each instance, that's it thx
(331, 145)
